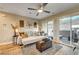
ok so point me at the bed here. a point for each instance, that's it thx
(30, 39)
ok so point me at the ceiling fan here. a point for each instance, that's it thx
(40, 9)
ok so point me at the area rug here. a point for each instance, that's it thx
(31, 50)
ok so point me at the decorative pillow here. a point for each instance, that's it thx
(23, 35)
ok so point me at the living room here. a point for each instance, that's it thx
(24, 25)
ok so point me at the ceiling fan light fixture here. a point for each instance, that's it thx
(40, 10)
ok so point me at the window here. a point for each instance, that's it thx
(50, 28)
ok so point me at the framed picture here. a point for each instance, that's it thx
(21, 23)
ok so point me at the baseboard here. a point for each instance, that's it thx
(5, 43)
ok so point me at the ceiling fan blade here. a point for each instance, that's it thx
(46, 11)
(37, 14)
(44, 4)
(31, 9)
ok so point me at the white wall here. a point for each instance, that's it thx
(6, 31)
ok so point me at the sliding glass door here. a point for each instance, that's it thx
(75, 29)
(65, 30)
(75, 33)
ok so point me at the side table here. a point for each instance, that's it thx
(15, 39)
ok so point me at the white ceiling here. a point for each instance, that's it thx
(21, 9)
